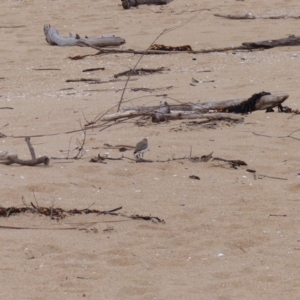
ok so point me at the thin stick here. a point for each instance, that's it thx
(272, 177)
(27, 140)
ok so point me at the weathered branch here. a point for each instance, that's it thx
(173, 115)
(132, 3)
(292, 40)
(262, 102)
(33, 162)
(13, 158)
(249, 16)
(53, 38)
(160, 52)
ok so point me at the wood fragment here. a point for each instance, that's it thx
(272, 215)
(84, 80)
(233, 163)
(33, 162)
(133, 3)
(160, 52)
(93, 69)
(141, 71)
(13, 158)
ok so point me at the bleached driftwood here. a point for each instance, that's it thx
(173, 115)
(129, 3)
(53, 38)
(209, 110)
(262, 102)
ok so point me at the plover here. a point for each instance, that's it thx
(140, 148)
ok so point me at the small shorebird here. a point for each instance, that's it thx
(140, 148)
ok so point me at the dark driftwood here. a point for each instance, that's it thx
(85, 80)
(53, 38)
(292, 40)
(32, 162)
(131, 3)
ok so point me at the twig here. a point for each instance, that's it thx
(47, 69)
(160, 52)
(277, 215)
(36, 228)
(279, 137)
(240, 248)
(84, 79)
(272, 177)
(93, 69)
(81, 145)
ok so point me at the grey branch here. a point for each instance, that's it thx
(53, 38)
(33, 162)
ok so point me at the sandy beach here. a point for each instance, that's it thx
(230, 235)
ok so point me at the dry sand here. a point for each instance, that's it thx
(219, 240)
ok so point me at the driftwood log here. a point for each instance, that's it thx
(32, 162)
(53, 38)
(13, 158)
(264, 101)
(132, 3)
(292, 40)
(173, 115)
(210, 110)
